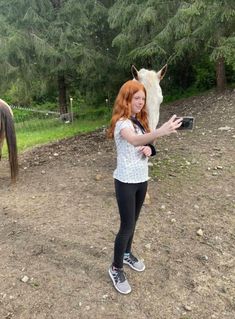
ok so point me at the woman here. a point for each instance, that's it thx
(129, 127)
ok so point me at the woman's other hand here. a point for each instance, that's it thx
(145, 150)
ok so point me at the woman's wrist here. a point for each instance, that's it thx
(157, 133)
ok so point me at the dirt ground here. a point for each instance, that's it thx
(59, 222)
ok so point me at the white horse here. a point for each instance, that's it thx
(151, 81)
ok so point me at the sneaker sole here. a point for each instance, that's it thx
(121, 292)
(136, 269)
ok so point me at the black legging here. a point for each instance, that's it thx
(130, 198)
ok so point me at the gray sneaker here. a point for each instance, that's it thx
(119, 280)
(134, 262)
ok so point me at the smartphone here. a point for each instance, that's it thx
(187, 123)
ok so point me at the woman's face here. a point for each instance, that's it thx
(137, 102)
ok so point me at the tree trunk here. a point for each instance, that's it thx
(62, 94)
(220, 74)
(61, 78)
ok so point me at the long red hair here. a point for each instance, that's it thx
(122, 106)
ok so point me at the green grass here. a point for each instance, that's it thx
(38, 132)
(175, 164)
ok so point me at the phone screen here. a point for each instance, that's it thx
(187, 123)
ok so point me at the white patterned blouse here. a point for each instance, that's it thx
(132, 165)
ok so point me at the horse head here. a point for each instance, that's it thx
(151, 81)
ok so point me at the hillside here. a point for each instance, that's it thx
(59, 222)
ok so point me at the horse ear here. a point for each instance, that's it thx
(162, 72)
(134, 72)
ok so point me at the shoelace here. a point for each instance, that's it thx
(119, 275)
(132, 259)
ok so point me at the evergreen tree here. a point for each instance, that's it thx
(176, 31)
(53, 39)
(138, 22)
(204, 26)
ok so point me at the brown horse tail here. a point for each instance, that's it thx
(11, 142)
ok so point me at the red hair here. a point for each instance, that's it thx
(122, 106)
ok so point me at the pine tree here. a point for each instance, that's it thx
(137, 23)
(176, 31)
(52, 40)
(204, 26)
